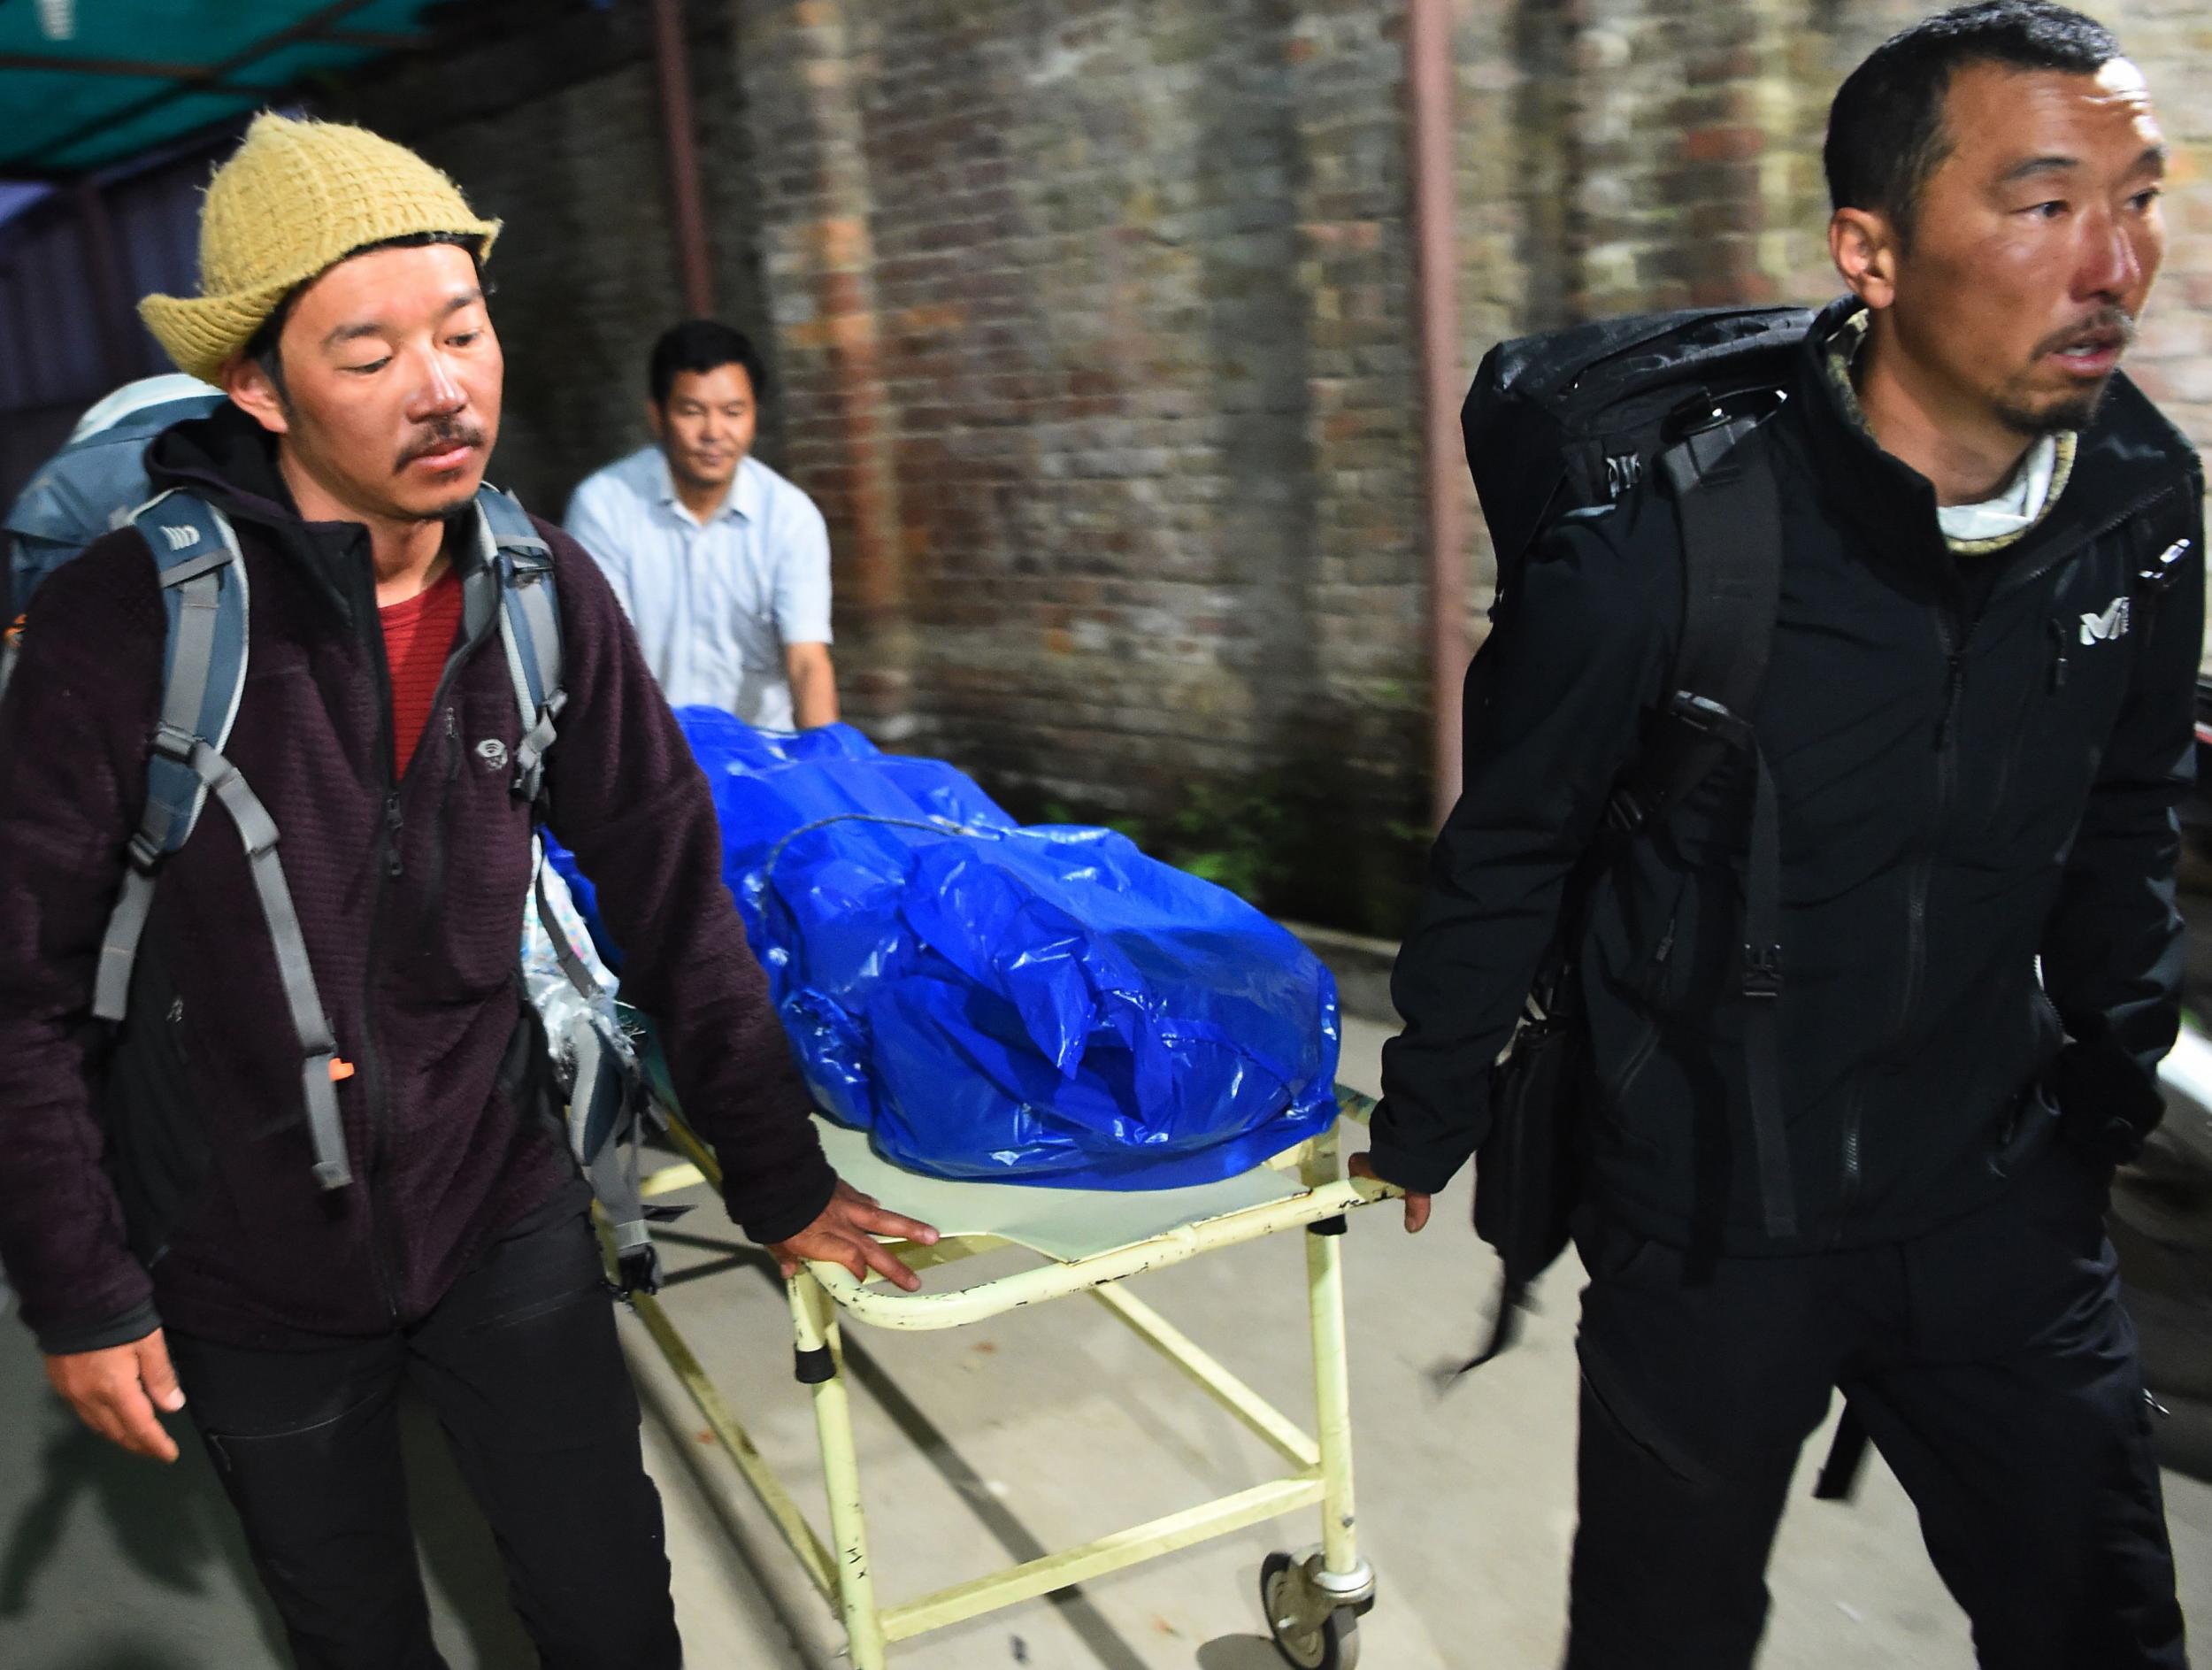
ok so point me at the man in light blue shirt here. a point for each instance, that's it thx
(722, 565)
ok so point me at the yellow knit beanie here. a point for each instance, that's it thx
(296, 198)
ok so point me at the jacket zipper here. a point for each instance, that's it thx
(1946, 784)
(392, 868)
(1922, 878)
(2043, 566)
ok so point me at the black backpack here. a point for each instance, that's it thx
(1560, 422)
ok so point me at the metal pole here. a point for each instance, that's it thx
(1429, 91)
(1331, 1375)
(671, 63)
(814, 1328)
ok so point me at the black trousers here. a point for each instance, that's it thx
(520, 1364)
(1993, 1367)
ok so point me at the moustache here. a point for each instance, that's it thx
(444, 438)
(2114, 321)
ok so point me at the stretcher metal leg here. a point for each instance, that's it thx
(1332, 1402)
(814, 1328)
(1313, 1606)
(1332, 1379)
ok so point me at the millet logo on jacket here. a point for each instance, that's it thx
(2113, 623)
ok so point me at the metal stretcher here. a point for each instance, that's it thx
(1090, 1242)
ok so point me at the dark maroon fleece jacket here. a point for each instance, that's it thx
(159, 1173)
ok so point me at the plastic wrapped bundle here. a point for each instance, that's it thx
(1042, 1005)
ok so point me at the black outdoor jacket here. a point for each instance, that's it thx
(1976, 784)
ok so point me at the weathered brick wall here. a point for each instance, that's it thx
(1097, 359)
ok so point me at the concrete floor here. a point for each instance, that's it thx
(986, 1445)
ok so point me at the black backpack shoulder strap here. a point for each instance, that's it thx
(1729, 507)
(1723, 483)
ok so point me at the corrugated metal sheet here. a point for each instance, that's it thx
(58, 355)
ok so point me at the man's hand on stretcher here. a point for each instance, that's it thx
(1416, 1205)
(846, 1232)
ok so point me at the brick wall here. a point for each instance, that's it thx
(1094, 326)
(1095, 355)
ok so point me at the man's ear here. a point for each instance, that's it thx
(655, 420)
(1864, 246)
(249, 387)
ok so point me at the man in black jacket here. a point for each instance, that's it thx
(1977, 719)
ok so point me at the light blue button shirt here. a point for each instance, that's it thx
(714, 603)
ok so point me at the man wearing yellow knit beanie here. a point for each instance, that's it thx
(159, 1207)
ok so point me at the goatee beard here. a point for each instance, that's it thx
(2075, 413)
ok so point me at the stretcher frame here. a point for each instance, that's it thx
(1317, 1599)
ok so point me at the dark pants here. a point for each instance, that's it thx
(1994, 1370)
(522, 1365)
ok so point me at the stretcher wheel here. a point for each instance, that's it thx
(1309, 1633)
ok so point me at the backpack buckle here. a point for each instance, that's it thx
(1763, 972)
(1702, 714)
(526, 565)
(174, 742)
(144, 855)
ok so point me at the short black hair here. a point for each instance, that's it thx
(702, 345)
(1886, 134)
(262, 346)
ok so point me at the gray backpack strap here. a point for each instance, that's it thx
(604, 1125)
(203, 674)
(529, 628)
(204, 587)
(318, 1050)
(606, 1100)
(607, 1108)
(587, 984)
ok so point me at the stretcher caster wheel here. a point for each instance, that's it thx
(1314, 1627)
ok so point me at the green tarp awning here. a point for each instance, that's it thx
(128, 76)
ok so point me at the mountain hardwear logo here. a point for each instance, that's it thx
(2113, 623)
(179, 537)
(492, 752)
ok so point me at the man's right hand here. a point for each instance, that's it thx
(845, 1234)
(1416, 1205)
(117, 1390)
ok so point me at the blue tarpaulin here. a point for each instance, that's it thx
(1041, 1005)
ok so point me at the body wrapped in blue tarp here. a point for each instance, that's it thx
(1042, 1005)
